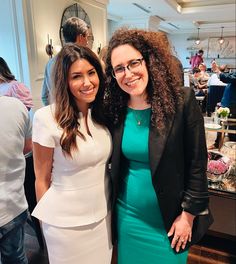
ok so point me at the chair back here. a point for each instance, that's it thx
(214, 96)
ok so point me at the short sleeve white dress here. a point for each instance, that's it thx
(75, 209)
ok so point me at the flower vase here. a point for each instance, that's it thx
(224, 118)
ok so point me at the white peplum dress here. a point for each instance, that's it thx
(75, 209)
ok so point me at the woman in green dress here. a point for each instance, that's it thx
(160, 194)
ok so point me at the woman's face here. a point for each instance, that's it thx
(202, 67)
(83, 82)
(130, 70)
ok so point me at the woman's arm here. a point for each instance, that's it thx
(195, 196)
(43, 157)
(27, 146)
(228, 77)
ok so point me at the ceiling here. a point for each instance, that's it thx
(178, 16)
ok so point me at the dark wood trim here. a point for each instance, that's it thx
(221, 235)
(221, 193)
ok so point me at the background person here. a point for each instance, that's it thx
(160, 190)
(9, 86)
(15, 141)
(204, 76)
(214, 66)
(102, 56)
(199, 87)
(195, 82)
(197, 59)
(74, 30)
(71, 149)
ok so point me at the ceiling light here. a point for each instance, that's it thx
(179, 8)
(221, 39)
(197, 41)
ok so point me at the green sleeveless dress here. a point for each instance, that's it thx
(142, 238)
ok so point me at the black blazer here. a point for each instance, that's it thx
(178, 162)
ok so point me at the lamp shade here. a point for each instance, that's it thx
(197, 41)
(221, 39)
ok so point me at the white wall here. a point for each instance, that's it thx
(115, 23)
(97, 13)
(13, 46)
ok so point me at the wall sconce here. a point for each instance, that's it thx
(49, 48)
(197, 41)
(221, 39)
(56, 49)
(99, 48)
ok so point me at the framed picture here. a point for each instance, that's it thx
(225, 50)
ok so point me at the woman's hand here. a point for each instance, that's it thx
(181, 230)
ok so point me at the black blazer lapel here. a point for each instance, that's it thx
(157, 142)
(116, 155)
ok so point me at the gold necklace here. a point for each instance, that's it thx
(138, 117)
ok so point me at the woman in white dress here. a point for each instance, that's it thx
(71, 149)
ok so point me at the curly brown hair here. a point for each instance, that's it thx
(66, 109)
(164, 85)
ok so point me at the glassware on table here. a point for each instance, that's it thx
(212, 122)
(229, 180)
(229, 150)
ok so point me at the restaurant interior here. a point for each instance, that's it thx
(31, 31)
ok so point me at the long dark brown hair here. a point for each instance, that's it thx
(66, 109)
(5, 72)
(163, 89)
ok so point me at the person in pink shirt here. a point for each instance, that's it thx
(9, 86)
(197, 59)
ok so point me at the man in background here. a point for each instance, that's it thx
(15, 141)
(197, 59)
(74, 30)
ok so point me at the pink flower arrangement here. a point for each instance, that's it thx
(217, 167)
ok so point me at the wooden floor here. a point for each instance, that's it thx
(210, 250)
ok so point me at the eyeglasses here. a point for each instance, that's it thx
(133, 65)
(90, 38)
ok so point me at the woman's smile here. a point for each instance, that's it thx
(133, 82)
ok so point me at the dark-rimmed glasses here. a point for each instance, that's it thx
(133, 65)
